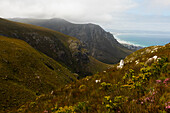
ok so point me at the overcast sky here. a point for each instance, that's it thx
(110, 14)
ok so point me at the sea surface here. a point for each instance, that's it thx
(143, 40)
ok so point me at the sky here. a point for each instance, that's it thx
(150, 15)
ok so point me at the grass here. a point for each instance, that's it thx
(26, 73)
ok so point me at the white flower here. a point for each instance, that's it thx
(97, 81)
(155, 57)
(137, 61)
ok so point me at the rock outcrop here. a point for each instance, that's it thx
(101, 44)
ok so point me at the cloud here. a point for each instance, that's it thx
(155, 7)
(94, 10)
(160, 3)
(115, 14)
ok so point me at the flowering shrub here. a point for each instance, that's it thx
(105, 85)
(115, 104)
(65, 109)
(146, 73)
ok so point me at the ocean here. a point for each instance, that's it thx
(143, 40)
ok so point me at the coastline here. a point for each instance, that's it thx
(127, 42)
(142, 39)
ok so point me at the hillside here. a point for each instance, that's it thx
(26, 73)
(142, 85)
(66, 50)
(101, 44)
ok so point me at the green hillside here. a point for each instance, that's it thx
(66, 50)
(141, 86)
(26, 73)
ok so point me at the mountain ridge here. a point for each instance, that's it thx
(65, 49)
(97, 41)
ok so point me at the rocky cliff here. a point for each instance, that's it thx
(101, 44)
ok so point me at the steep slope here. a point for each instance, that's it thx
(100, 44)
(62, 48)
(26, 73)
(139, 87)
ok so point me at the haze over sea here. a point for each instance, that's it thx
(143, 39)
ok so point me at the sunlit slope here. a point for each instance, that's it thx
(142, 85)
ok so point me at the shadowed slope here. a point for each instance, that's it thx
(25, 73)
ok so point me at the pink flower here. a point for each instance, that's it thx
(166, 80)
(45, 111)
(167, 107)
(141, 102)
(158, 81)
(152, 100)
(148, 99)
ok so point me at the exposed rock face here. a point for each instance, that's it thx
(100, 44)
(65, 49)
(121, 64)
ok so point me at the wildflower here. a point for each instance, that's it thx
(158, 81)
(167, 103)
(152, 100)
(141, 102)
(148, 99)
(155, 57)
(137, 61)
(45, 111)
(107, 97)
(97, 81)
(166, 80)
(167, 107)
(108, 106)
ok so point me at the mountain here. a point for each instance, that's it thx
(66, 50)
(26, 73)
(140, 86)
(101, 44)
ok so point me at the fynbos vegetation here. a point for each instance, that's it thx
(137, 87)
